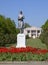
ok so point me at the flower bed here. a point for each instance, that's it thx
(23, 54)
(27, 49)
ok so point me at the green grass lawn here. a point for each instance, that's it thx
(35, 43)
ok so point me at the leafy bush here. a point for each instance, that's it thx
(7, 39)
(8, 32)
(27, 36)
(44, 35)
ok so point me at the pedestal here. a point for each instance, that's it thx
(21, 40)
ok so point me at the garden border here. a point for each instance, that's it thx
(24, 62)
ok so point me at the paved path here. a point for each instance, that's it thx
(25, 63)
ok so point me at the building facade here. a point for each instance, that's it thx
(32, 32)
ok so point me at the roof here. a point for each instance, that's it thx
(32, 28)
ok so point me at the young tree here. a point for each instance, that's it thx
(44, 35)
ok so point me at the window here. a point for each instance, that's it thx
(28, 31)
(38, 31)
(33, 31)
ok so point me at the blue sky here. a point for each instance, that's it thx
(35, 11)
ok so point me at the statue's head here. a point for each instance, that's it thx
(20, 12)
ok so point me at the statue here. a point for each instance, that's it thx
(21, 40)
(21, 22)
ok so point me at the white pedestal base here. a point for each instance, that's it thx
(20, 40)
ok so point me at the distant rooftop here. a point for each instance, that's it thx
(33, 28)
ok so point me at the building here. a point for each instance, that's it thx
(32, 31)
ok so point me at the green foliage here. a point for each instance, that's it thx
(7, 39)
(27, 25)
(23, 57)
(44, 35)
(7, 31)
(45, 26)
(27, 36)
(17, 30)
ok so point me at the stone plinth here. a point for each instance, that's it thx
(21, 40)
